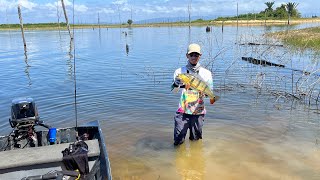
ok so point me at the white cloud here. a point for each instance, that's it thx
(179, 9)
(77, 7)
(51, 6)
(7, 5)
(126, 9)
(80, 8)
(148, 11)
(12, 5)
(27, 4)
(120, 2)
(107, 10)
(67, 3)
(162, 9)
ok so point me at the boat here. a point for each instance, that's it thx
(34, 150)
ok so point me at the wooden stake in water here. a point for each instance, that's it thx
(265, 18)
(58, 16)
(99, 20)
(21, 26)
(189, 12)
(222, 26)
(237, 16)
(66, 16)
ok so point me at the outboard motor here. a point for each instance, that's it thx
(24, 116)
(23, 112)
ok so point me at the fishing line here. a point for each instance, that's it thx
(74, 67)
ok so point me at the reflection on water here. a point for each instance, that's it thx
(127, 49)
(190, 161)
(26, 70)
(70, 59)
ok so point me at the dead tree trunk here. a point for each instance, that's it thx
(7, 21)
(21, 26)
(189, 12)
(66, 16)
(222, 26)
(119, 15)
(237, 16)
(99, 20)
(58, 16)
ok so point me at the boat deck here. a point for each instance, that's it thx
(41, 155)
(20, 163)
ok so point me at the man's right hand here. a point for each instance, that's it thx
(177, 82)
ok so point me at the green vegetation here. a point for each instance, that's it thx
(292, 9)
(302, 38)
(129, 22)
(199, 21)
(285, 11)
(33, 26)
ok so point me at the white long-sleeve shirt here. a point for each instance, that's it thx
(190, 101)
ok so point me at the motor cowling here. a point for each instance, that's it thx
(23, 112)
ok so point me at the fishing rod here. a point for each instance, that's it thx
(74, 67)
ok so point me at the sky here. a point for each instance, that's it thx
(115, 11)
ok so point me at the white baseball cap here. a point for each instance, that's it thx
(194, 48)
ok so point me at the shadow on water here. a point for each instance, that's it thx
(189, 161)
(100, 36)
(153, 143)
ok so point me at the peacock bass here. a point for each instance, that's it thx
(198, 84)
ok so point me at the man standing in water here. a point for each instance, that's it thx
(191, 111)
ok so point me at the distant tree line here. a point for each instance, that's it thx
(285, 11)
(35, 25)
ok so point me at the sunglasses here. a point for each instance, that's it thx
(194, 54)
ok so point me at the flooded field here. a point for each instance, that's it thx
(265, 126)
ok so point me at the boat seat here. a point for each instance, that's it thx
(41, 155)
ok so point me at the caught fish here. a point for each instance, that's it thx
(198, 84)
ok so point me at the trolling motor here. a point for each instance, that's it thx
(24, 117)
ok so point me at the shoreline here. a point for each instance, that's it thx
(269, 22)
(175, 24)
(307, 38)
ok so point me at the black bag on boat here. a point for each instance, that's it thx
(76, 157)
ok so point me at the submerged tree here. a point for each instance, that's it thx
(129, 22)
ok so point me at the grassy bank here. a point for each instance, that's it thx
(302, 38)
